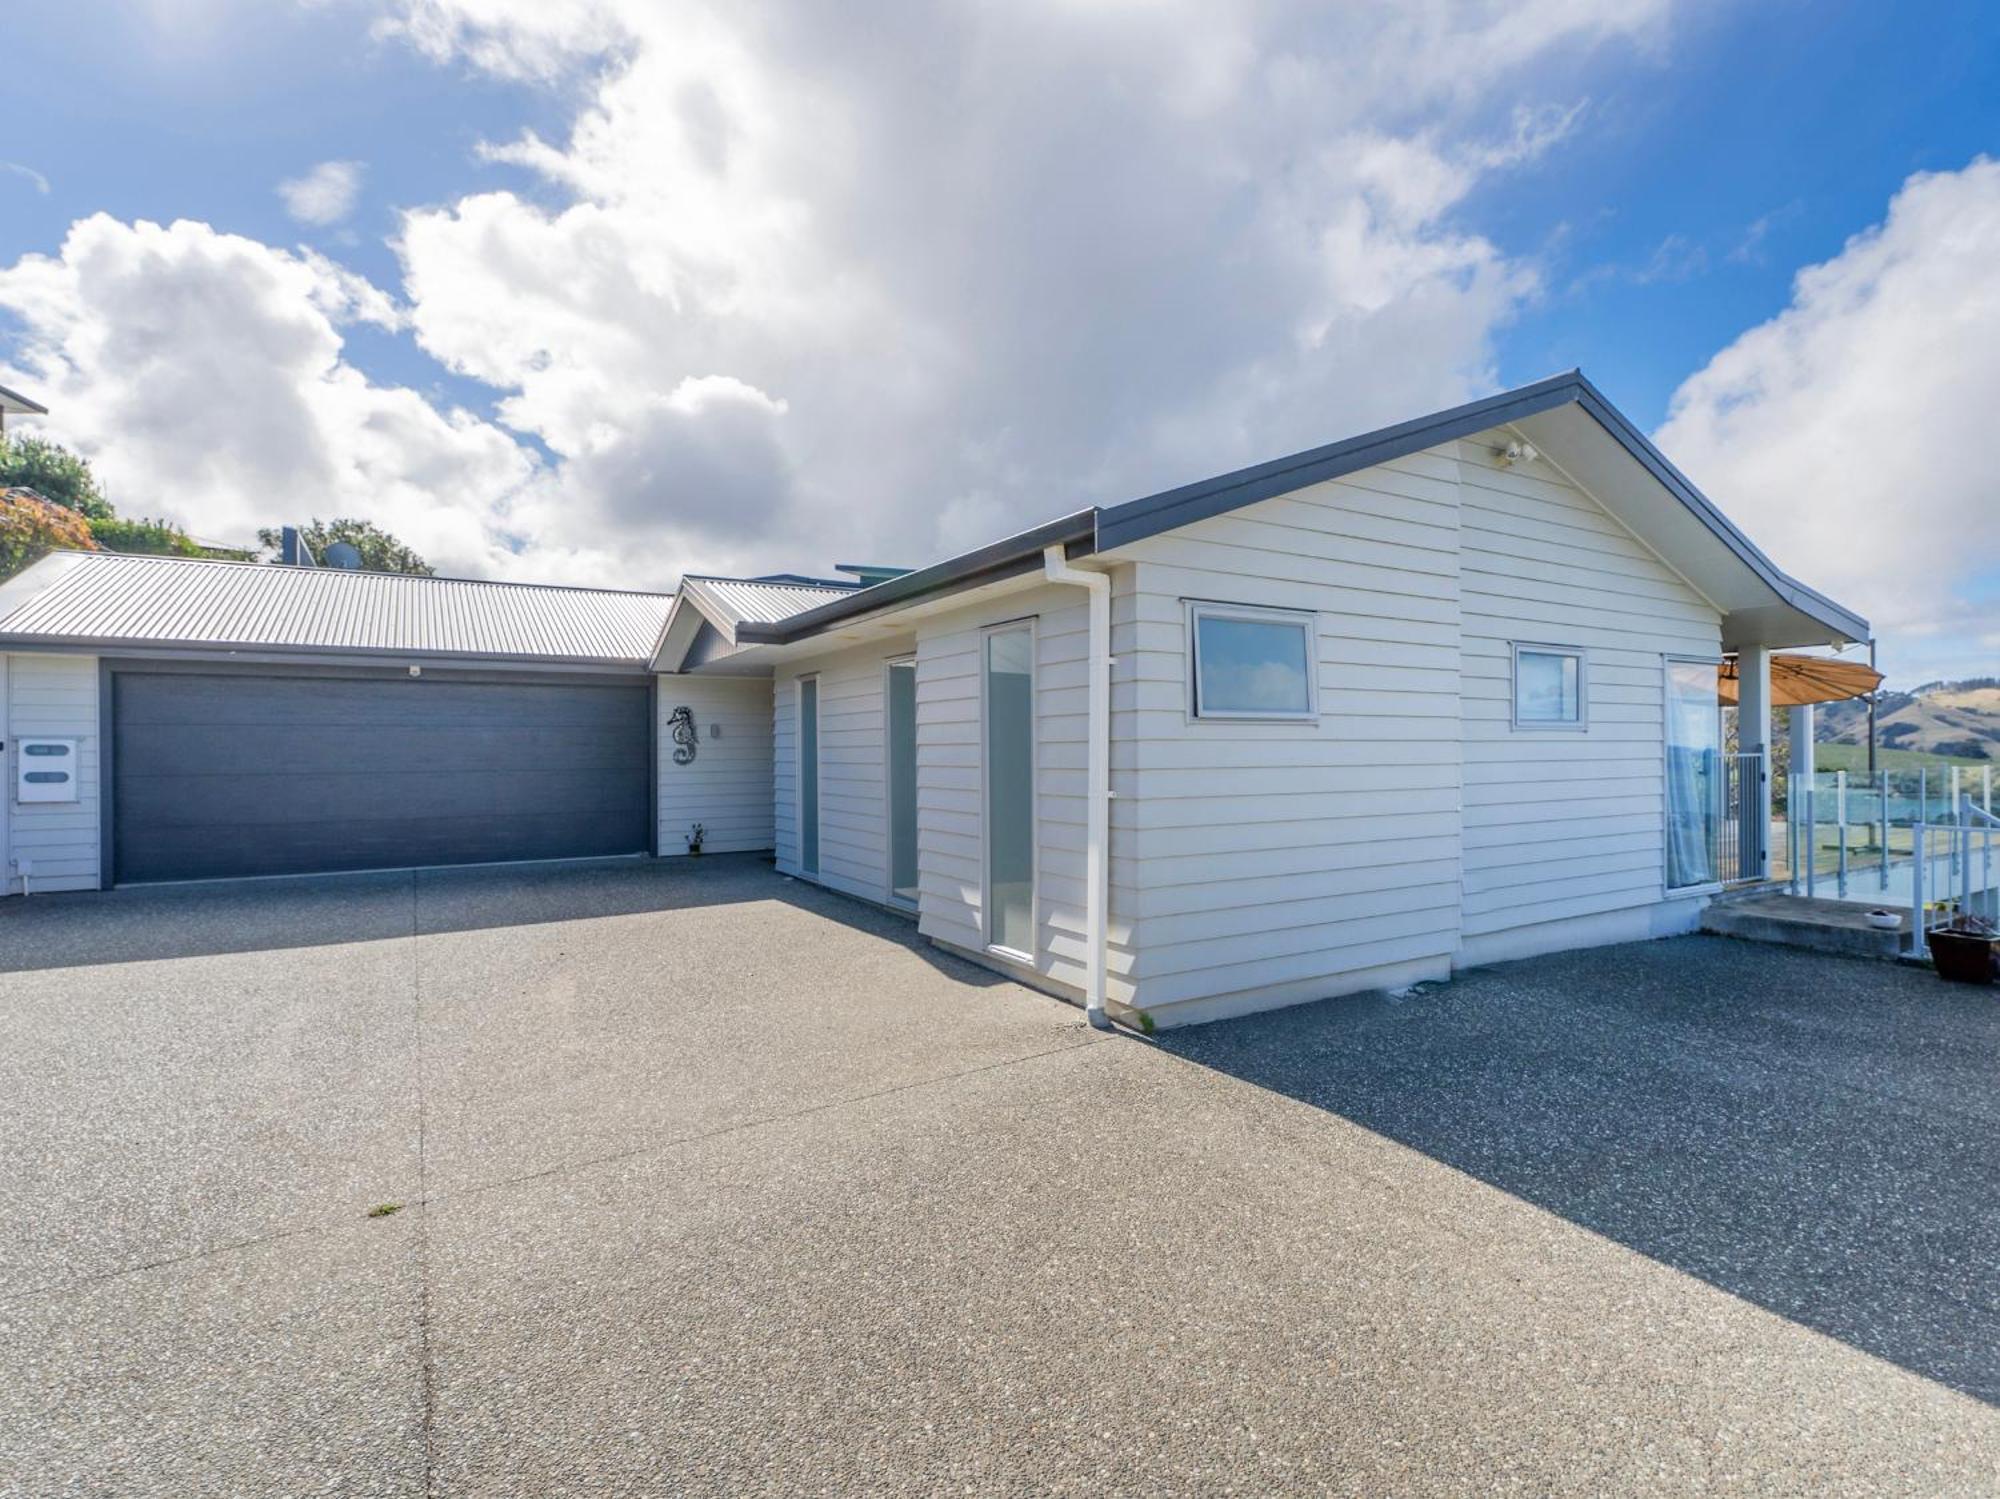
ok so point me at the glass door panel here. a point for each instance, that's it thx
(1010, 791)
(902, 771)
(809, 775)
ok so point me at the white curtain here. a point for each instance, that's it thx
(1694, 765)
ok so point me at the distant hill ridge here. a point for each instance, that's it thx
(1938, 718)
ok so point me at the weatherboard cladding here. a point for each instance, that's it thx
(105, 598)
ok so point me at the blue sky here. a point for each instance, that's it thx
(158, 119)
(1696, 190)
(765, 279)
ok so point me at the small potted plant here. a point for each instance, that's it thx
(1962, 949)
(695, 835)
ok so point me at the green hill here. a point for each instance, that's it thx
(1941, 720)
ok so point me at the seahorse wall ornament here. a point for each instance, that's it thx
(681, 721)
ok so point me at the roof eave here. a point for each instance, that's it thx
(1808, 601)
(1135, 520)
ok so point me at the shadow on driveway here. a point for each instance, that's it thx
(144, 923)
(1819, 1136)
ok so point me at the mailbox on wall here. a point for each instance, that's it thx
(45, 770)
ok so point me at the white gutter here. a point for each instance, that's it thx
(1097, 825)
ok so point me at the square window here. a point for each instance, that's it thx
(1251, 663)
(1549, 685)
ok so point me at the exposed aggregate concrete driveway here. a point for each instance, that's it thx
(715, 1183)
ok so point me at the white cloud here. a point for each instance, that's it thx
(786, 287)
(28, 174)
(515, 38)
(996, 262)
(325, 195)
(1850, 434)
(203, 375)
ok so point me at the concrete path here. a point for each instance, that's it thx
(714, 1183)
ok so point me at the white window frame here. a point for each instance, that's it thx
(1521, 725)
(799, 775)
(907, 661)
(1031, 624)
(1303, 619)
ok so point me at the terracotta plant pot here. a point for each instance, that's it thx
(1962, 957)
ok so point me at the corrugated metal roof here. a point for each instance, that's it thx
(762, 603)
(105, 598)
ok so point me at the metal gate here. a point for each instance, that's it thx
(1740, 845)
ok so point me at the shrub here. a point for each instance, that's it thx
(1963, 749)
(156, 538)
(32, 527)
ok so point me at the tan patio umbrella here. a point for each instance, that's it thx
(1797, 680)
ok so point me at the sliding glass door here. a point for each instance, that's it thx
(1009, 743)
(901, 715)
(1694, 772)
(809, 775)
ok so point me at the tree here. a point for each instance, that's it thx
(32, 527)
(1778, 743)
(53, 472)
(155, 538)
(380, 552)
(57, 476)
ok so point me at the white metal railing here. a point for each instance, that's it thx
(1950, 879)
(1918, 839)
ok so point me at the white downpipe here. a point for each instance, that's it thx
(1097, 822)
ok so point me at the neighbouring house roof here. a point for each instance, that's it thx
(710, 612)
(1666, 509)
(732, 601)
(107, 601)
(800, 578)
(20, 405)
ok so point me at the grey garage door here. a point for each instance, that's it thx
(223, 775)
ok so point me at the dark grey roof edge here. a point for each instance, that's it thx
(1118, 525)
(1010, 556)
(1134, 520)
(22, 404)
(1137, 519)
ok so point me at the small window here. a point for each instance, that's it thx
(1251, 663)
(1549, 687)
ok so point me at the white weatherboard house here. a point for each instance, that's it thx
(1434, 696)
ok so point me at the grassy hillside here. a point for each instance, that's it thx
(1853, 758)
(1955, 720)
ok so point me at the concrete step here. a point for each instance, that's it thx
(1796, 921)
(1750, 890)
